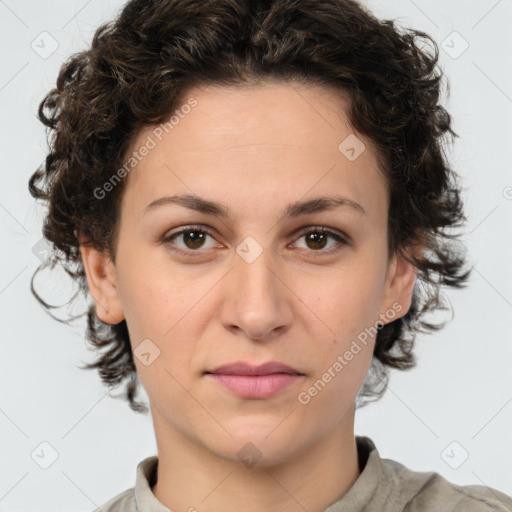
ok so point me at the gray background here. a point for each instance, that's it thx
(457, 403)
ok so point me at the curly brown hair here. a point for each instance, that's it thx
(140, 66)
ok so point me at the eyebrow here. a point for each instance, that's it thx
(295, 209)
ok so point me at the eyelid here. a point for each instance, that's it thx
(341, 238)
(323, 229)
(184, 229)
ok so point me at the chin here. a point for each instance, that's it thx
(261, 445)
(256, 454)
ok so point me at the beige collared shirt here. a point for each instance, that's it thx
(383, 486)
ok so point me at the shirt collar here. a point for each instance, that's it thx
(145, 479)
(364, 489)
(356, 498)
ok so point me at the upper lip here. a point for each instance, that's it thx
(242, 368)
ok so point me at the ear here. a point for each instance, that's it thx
(102, 281)
(400, 281)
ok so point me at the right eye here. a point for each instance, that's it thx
(192, 237)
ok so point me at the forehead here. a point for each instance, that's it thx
(270, 113)
(254, 144)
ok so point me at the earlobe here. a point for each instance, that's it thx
(102, 282)
(400, 283)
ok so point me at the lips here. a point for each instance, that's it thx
(255, 382)
(242, 368)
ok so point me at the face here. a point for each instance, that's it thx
(269, 273)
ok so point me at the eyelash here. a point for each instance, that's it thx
(314, 229)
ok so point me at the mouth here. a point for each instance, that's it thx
(270, 368)
(255, 382)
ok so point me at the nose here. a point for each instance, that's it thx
(256, 299)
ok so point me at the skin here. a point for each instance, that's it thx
(255, 149)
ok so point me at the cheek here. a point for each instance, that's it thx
(346, 308)
(158, 314)
(332, 390)
(154, 294)
(345, 302)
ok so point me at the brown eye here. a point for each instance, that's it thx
(189, 240)
(193, 239)
(317, 239)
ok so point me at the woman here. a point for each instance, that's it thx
(256, 198)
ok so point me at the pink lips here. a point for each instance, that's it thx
(255, 382)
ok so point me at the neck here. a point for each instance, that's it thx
(191, 477)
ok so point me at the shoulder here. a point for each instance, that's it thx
(123, 502)
(140, 496)
(425, 491)
(385, 485)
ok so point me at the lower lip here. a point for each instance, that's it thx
(256, 386)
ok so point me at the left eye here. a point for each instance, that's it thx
(193, 238)
(316, 240)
